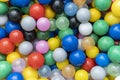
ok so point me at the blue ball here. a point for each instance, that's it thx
(10, 26)
(70, 9)
(102, 60)
(67, 1)
(2, 33)
(77, 58)
(15, 76)
(70, 43)
(44, 1)
(114, 31)
(53, 67)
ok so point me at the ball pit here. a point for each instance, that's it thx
(59, 39)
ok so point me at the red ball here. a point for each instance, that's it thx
(37, 11)
(36, 60)
(16, 36)
(89, 64)
(6, 46)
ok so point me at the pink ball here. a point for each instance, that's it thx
(42, 46)
(43, 24)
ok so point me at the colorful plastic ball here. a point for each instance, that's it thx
(55, 72)
(85, 28)
(105, 40)
(2, 57)
(18, 65)
(16, 36)
(79, 3)
(70, 43)
(16, 76)
(4, 0)
(58, 77)
(117, 78)
(3, 8)
(114, 31)
(35, 60)
(77, 57)
(59, 54)
(28, 23)
(52, 25)
(70, 9)
(42, 46)
(43, 24)
(2, 33)
(62, 23)
(113, 69)
(44, 71)
(73, 22)
(83, 15)
(81, 75)
(102, 59)
(98, 73)
(37, 11)
(25, 48)
(29, 35)
(3, 19)
(43, 35)
(44, 2)
(6, 46)
(113, 54)
(43, 79)
(5, 69)
(100, 27)
(95, 37)
(103, 5)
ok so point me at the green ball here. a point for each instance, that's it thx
(100, 27)
(103, 5)
(3, 8)
(53, 25)
(43, 35)
(59, 15)
(114, 54)
(104, 43)
(63, 33)
(2, 57)
(5, 69)
(49, 58)
(95, 37)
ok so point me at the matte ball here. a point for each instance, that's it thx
(30, 35)
(3, 19)
(70, 43)
(2, 33)
(44, 1)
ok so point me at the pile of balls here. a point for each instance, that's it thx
(59, 39)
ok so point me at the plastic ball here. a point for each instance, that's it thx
(117, 78)
(52, 25)
(18, 65)
(103, 5)
(16, 36)
(5, 69)
(3, 8)
(43, 79)
(114, 31)
(68, 71)
(2, 57)
(43, 24)
(102, 59)
(113, 69)
(16, 76)
(59, 54)
(42, 46)
(81, 75)
(3, 19)
(85, 28)
(2, 33)
(44, 71)
(25, 48)
(113, 54)
(77, 57)
(70, 43)
(29, 35)
(73, 22)
(4, 0)
(37, 11)
(98, 73)
(35, 60)
(62, 23)
(105, 40)
(43, 35)
(70, 9)
(28, 23)
(6, 46)
(44, 2)
(83, 15)
(95, 37)
(79, 3)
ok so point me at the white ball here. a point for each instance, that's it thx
(98, 73)
(3, 19)
(79, 44)
(117, 78)
(58, 77)
(85, 28)
(83, 15)
(59, 54)
(28, 23)
(25, 48)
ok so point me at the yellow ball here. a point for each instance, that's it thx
(111, 77)
(106, 78)
(43, 79)
(53, 43)
(29, 72)
(93, 3)
(4, 0)
(32, 79)
(81, 75)
(93, 52)
(95, 14)
(116, 8)
(62, 64)
(111, 19)
(12, 56)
